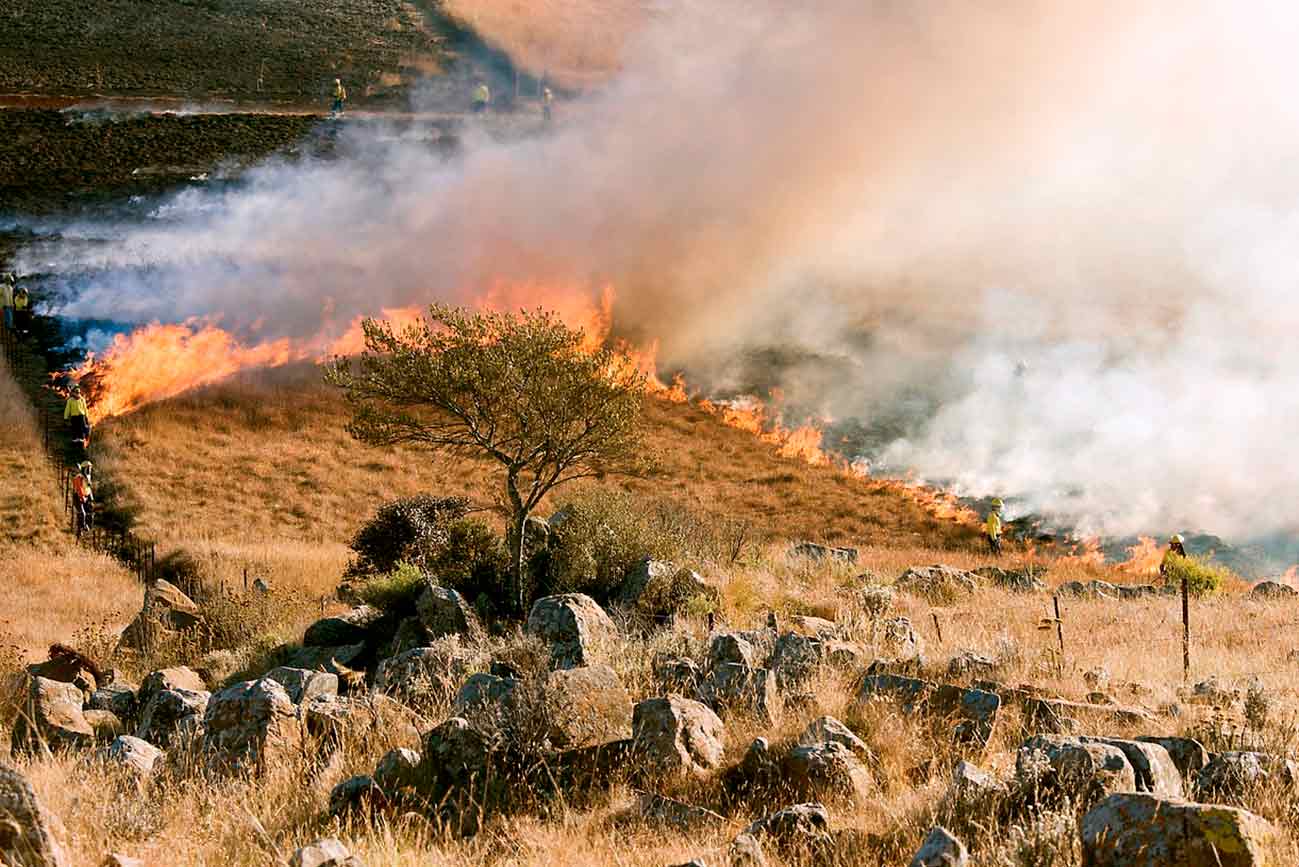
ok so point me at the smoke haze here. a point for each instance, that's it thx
(1045, 250)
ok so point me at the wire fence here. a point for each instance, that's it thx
(135, 553)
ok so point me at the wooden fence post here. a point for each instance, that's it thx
(1186, 632)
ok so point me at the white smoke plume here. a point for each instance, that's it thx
(1055, 244)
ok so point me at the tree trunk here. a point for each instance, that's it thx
(520, 519)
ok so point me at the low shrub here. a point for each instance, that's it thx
(414, 529)
(1203, 577)
(596, 539)
(395, 590)
(472, 560)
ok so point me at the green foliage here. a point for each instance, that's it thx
(522, 389)
(412, 530)
(472, 561)
(395, 590)
(1202, 576)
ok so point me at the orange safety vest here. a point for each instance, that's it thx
(81, 487)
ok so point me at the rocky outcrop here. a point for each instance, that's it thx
(813, 551)
(1026, 580)
(1188, 755)
(941, 849)
(676, 735)
(172, 715)
(587, 707)
(51, 718)
(177, 677)
(798, 832)
(573, 626)
(119, 698)
(133, 753)
(166, 611)
(397, 769)
(251, 724)
(660, 590)
(827, 771)
(324, 853)
(27, 837)
(1152, 766)
(1049, 766)
(827, 729)
(459, 772)
(971, 712)
(938, 584)
(443, 611)
(301, 685)
(1273, 590)
(1144, 830)
(1229, 776)
(351, 627)
(421, 671)
(735, 687)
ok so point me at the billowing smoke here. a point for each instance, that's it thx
(1040, 249)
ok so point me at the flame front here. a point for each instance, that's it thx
(1143, 558)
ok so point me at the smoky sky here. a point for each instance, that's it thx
(1051, 248)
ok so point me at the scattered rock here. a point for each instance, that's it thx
(1229, 776)
(1188, 755)
(324, 853)
(116, 697)
(1091, 590)
(396, 770)
(971, 664)
(587, 706)
(795, 660)
(1137, 591)
(813, 551)
(68, 666)
(325, 658)
(678, 735)
(421, 671)
(443, 611)
(1026, 580)
(897, 640)
(973, 711)
(677, 674)
(677, 814)
(350, 627)
(131, 752)
(455, 772)
(746, 851)
(486, 696)
(941, 849)
(105, 725)
(171, 712)
(812, 627)
(26, 829)
(756, 774)
(731, 686)
(974, 789)
(1273, 590)
(252, 724)
(51, 718)
(731, 648)
(358, 795)
(177, 677)
(1144, 830)
(657, 589)
(166, 610)
(1153, 767)
(302, 685)
(827, 771)
(940, 585)
(827, 729)
(573, 625)
(1209, 691)
(802, 830)
(1084, 772)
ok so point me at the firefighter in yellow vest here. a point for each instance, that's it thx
(83, 498)
(340, 96)
(992, 527)
(77, 415)
(22, 310)
(7, 300)
(1176, 548)
(482, 97)
(547, 103)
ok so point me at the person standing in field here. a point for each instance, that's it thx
(22, 310)
(340, 97)
(83, 498)
(547, 103)
(482, 97)
(7, 300)
(77, 415)
(992, 528)
(1176, 548)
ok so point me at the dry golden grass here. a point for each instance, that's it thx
(49, 587)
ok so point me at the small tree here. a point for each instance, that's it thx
(519, 388)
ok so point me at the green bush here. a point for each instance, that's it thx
(597, 538)
(413, 529)
(1202, 577)
(395, 590)
(472, 560)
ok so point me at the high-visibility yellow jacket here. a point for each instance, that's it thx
(482, 94)
(74, 406)
(340, 92)
(81, 487)
(993, 525)
(21, 300)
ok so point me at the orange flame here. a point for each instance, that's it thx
(1086, 553)
(1143, 558)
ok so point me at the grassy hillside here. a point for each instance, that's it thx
(261, 472)
(262, 49)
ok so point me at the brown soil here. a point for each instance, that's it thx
(48, 158)
(259, 49)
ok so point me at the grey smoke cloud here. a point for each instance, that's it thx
(915, 196)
